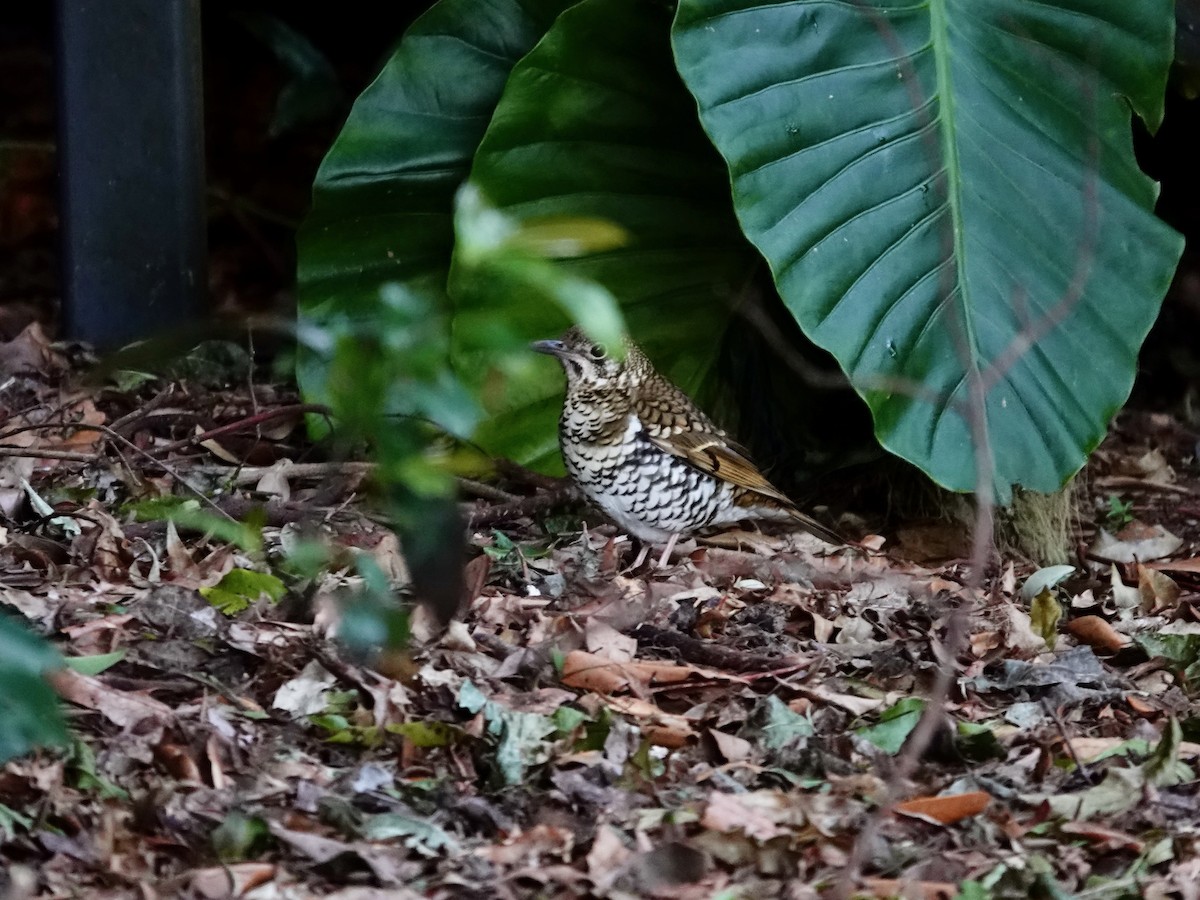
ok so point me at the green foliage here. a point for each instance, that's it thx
(189, 513)
(29, 713)
(94, 665)
(240, 837)
(947, 196)
(239, 588)
(946, 200)
(1120, 512)
(521, 738)
(895, 724)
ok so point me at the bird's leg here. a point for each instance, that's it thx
(641, 557)
(666, 554)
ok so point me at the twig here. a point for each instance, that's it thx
(1129, 483)
(1062, 730)
(707, 654)
(523, 506)
(486, 491)
(517, 472)
(245, 475)
(136, 416)
(35, 453)
(242, 425)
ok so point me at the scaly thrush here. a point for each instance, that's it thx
(642, 451)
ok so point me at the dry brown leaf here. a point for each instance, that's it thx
(606, 642)
(946, 810)
(1098, 633)
(29, 353)
(1158, 592)
(924, 890)
(1191, 565)
(858, 706)
(730, 746)
(984, 642)
(530, 846)
(233, 880)
(660, 728)
(756, 814)
(119, 707)
(607, 858)
(1136, 541)
(1141, 707)
(1108, 838)
(178, 761)
(1088, 748)
(590, 672)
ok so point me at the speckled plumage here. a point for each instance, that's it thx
(642, 451)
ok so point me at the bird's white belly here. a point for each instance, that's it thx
(648, 492)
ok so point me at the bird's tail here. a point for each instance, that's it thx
(812, 526)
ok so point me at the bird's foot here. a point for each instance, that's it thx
(665, 559)
(641, 558)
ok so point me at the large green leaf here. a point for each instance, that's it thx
(595, 123)
(29, 713)
(383, 197)
(947, 196)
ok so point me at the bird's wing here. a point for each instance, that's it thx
(716, 455)
(719, 457)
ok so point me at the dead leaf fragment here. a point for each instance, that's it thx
(730, 746)
(1136, 541)
(1098, 633)
(755, 814)
(946, 810)
(1158, 592)
(926, 890)
(119, 707)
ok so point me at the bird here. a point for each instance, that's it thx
(642, 451)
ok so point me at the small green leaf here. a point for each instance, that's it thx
(240, 837)
(1164, 767)
(895, 725)
(773, 725)
(419, 834)
(566, 719)
(241, 587)
(189, 514)
(94, 665)
(1044, 614)
(11, 821)
(978, 742)
(427, 734)
(1182, 650)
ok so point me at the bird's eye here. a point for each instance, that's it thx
(598, 351)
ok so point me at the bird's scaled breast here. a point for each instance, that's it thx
(646, 490)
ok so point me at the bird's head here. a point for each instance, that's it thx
(589, 364)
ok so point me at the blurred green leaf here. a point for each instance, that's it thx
(94, 665)
(428, 733)
(29, 711)
(240, 837)
(623, 146)
(384, 195)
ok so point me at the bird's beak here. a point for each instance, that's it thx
(551, 348)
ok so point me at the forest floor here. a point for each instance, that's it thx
(736, 724)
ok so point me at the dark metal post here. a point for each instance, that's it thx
(131, 157)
